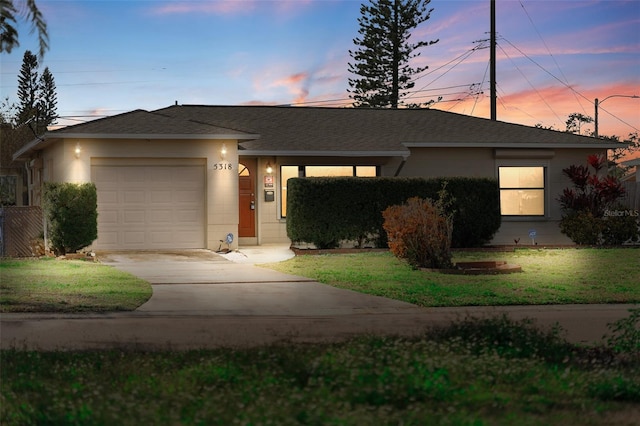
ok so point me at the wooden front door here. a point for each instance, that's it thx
(247, 199)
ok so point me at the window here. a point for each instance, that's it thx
(288, 172)
(522, 191)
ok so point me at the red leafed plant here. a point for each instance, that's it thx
(585, 206)
(591, 192)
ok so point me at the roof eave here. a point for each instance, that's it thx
(297, 153)
(156, 136)
(528, 145)
(23, 153)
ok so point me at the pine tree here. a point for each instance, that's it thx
(47, 101)
(36, 95)
(384, 51)
(28, 88)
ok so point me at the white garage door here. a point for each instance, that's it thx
(149, 206)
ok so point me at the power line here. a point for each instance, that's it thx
(530, 84)
(549, 52)
(461, 59)
(566, 85)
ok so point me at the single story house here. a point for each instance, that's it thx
(186, 176)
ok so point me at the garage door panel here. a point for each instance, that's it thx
(133, 238)
(150, 207)
(109, 197)
(160, 216)
(161, 237)
(160, 196)
(187, 196)
(189, 216)
(108, 238)
(108, 217)
(161, 174)
(133, 175)
(133, 217)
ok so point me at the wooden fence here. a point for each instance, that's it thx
(19, 228)
(631, 199)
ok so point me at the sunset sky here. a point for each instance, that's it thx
(554, 57)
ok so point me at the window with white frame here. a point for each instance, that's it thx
(522, 190)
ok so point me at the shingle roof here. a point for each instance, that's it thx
(140, 122)
(307, 129)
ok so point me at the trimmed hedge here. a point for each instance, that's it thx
(326, 211)
(71, 211)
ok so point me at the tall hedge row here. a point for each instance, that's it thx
(326, 211)
(71, 211)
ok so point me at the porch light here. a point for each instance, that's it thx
(223, 152)
(269, 168)
(78, 150)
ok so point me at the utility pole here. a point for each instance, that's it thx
(492, 61)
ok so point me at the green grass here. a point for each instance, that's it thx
(477, 372)
(548, 277)
(49, 285)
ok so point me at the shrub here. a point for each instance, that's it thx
(586, 204)
(71, 211)
(619, 226)
(582, 227)
(420, 232)
(327, 211)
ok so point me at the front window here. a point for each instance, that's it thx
(288, 172)
(521, 191)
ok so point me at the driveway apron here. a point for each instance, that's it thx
(200, 282)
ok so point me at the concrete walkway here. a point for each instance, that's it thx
(206, 300)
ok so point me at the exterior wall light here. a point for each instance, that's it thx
(223, 152)
(269, 168)
(78, 150)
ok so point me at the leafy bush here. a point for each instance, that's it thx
(71, 211)
(420, 232)
(619, 226)
(587, 207)
(582, 227)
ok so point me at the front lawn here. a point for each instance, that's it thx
(477, 372)
(50, 285)
(549, 277)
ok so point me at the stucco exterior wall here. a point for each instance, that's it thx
(221, 189)
(448, 162)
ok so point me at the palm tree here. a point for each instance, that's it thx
(10, 11)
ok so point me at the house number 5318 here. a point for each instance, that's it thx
(222, 166)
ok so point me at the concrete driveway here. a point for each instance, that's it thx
(200, 282)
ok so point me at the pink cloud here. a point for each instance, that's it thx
(229, 7)
(216, 7)
(551, 106)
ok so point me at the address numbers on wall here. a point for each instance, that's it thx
(222, 166)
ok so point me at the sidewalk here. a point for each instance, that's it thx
(583, 323)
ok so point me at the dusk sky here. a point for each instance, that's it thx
(554, 57)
